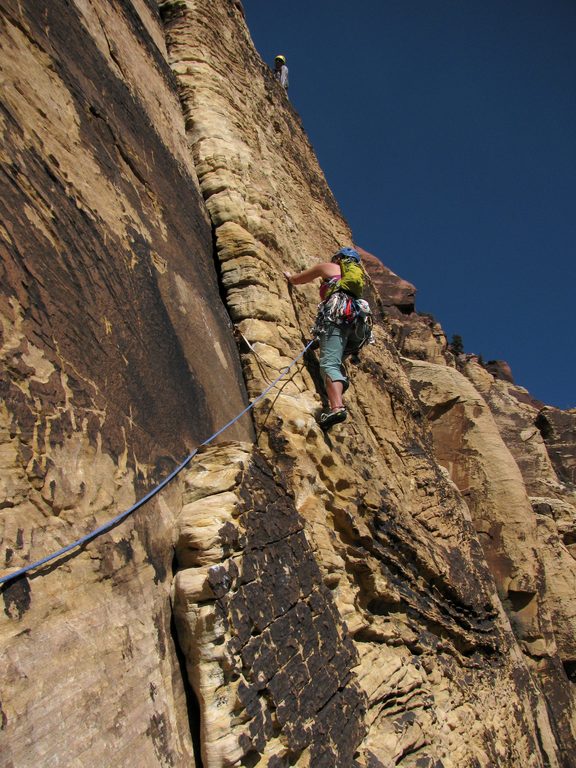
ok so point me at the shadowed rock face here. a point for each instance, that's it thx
(558, 429)
(117, 360)
(396, 592)
(107, 246)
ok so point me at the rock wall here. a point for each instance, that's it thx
(396, 592)
(117, 359)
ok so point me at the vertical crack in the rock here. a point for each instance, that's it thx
(192, 705)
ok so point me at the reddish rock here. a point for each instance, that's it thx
(392, 290)
(500, 370)
(558, 428)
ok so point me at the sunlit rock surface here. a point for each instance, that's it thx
(397, 592)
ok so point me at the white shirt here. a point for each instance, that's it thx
(282, 76)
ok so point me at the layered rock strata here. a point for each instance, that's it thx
(396, 592)
(533, 570)
(375, 504)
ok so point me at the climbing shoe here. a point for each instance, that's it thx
(329, 418)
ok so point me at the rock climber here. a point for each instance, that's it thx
(343, 323)
(281, 71)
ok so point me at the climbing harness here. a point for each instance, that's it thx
(341, 309)
(115, 520)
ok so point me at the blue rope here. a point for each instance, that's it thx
(115, 520)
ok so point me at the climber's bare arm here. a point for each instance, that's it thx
(323, 271)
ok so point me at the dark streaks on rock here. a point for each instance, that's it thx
(285, 633)
(17, 598)
(558, 429)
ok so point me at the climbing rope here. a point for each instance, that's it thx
(115, 520)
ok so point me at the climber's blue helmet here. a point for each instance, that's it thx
(347, 253)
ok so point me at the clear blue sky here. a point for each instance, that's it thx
(447, 132)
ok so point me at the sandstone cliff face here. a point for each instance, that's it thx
(397, 592)
(117, 359)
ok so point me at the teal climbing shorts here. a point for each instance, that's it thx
(332, 346)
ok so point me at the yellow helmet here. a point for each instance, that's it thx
(280, 58)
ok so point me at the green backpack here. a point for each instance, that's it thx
(352, 280)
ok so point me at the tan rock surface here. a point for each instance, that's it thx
(110, 320)
(386, 594)
(407, 505)
(533, 569)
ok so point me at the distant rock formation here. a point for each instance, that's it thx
(500, 370)
(397, 592)
(394, 292)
